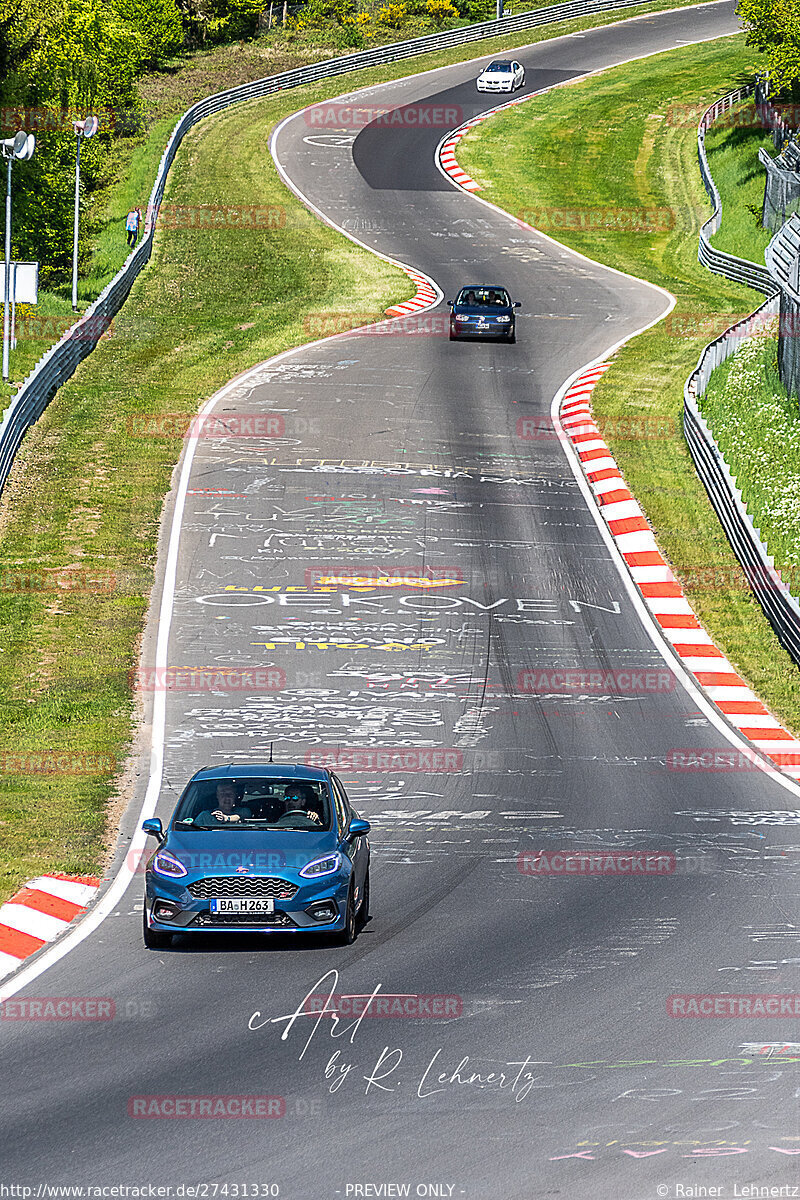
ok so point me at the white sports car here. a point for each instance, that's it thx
(502, 75)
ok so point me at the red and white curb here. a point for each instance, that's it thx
(661, 591)
(39, 913)
(425, 297)
(445, 151)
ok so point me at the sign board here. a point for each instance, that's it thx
(24, 282)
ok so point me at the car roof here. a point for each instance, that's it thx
(483, 287)
(267, 770)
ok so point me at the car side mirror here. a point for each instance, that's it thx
(518, 304)
(154, 828)
(449, 303)
(357, 828)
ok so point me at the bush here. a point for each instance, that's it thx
(441, 11)
(350, 36)
(392, 15)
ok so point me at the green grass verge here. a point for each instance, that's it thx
(732, 147)
(611, 145)
(757, 427)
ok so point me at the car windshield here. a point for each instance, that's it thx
(254, 803)
(480, 297)
(499, 66)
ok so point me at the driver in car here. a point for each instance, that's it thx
(228, 808)
(300, 798)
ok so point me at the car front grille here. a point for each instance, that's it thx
(233, 886)
(209, 920)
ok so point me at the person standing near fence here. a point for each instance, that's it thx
(132, 225)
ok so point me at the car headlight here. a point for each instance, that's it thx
(327, 865)
(503, 319)
(462, 319)
(167, 864)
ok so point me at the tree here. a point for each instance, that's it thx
(20, 30)
(231, 19)
(774, 29)
(159, 24)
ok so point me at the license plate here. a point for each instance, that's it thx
(245, 904)
(483, 324)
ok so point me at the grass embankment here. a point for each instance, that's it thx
(82, 507)
(732, 146)
(168, 93)
(615, 144)
(757, 427)
(755, 423)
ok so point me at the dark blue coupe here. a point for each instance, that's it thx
(480, 311)
(263, 848)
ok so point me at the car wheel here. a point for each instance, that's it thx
(152, 939)
(363, 911)
(512, 337)
(346, 936)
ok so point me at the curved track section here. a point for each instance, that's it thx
(550, 1065)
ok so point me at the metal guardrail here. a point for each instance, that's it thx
(780, 606)
(61, 360)
(783, 261)
(782, 184)
(738, 270)
(771, 117)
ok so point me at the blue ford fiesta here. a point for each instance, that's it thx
(262, 849)
(483, 312)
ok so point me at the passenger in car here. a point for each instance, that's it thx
(229, 807)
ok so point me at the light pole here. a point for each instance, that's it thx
(87, 128)
(21, 146)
